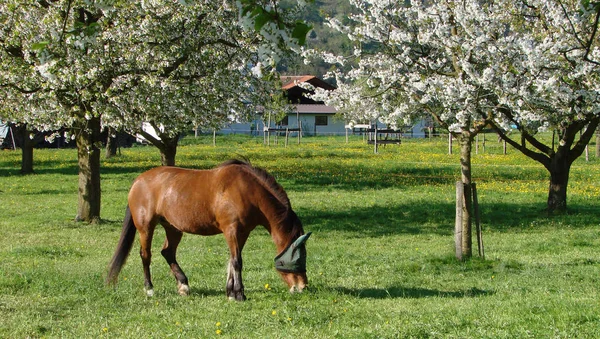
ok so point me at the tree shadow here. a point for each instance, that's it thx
(378, 221)
(411, 293)
(438, 218)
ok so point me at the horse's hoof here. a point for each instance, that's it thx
(296, 289)
(184, 290)
(239, 297)
(150, 292)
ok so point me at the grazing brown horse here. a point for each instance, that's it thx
(232, 199)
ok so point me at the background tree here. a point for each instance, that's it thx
(551, 85)
(432, 58)
(82, 65)
(471, 64)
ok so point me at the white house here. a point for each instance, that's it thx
(315, 118)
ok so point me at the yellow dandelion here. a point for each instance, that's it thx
(218, 323)
(273, 312)
(105, 329)
(218, 332)
(266, 286)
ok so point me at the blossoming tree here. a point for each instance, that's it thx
(424, 58)
(551, 85)
(470, 64)
(85, 65)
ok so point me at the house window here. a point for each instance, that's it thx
(321, 120)
(284, 121)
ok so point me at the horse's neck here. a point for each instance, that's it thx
(276, 216)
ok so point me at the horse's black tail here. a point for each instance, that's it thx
(123, 248)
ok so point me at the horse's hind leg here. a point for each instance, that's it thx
(169, 253)
(146, 255)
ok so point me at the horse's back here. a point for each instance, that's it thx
(181, 197)
(193, 201)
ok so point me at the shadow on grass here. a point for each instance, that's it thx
(311, 175)
(204, 292)
(411, 293)
(439, 218)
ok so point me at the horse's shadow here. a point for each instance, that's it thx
(411, 293)
(375, 293)
(206, 292)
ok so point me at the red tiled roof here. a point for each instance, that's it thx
(290, 81)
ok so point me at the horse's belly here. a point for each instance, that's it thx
(194, 225)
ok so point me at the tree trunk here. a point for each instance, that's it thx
(559, 177)
(466, 140)
(166, 145)
(598, 142)
(27, 145)
(168, 150)
(88, 155)
(112, 143)
(27, 155)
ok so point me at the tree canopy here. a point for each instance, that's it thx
(85, 65)
(530, 65)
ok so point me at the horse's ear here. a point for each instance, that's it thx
(302, 239)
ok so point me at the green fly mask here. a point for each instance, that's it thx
(293, 258)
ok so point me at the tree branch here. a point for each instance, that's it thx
(584, 139)
(20, 89)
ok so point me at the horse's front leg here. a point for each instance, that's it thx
(235, 240)
(235, 287)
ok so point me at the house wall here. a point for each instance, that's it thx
(309, 127)
(335, 126)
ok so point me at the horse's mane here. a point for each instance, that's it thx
(265, 178)
(269, 182)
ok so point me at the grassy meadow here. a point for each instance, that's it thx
(380, 260)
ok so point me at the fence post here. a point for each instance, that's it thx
(483, 147)
(375, 138)
(449, 143)
(287, 133)
(458, 230)
(478, 222)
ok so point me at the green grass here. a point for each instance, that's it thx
(380, 261)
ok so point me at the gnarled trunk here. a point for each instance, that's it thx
(559, 169)
(167, 145)
(88, 156)
(168, 150)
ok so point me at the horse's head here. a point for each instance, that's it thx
(291, 264)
